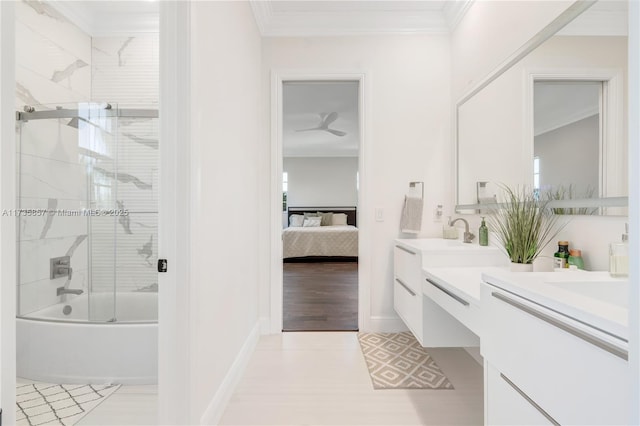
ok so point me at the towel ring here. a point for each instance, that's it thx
(413, 185)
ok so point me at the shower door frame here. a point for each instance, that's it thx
(174, 213)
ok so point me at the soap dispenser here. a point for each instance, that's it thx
(483, 234)
(619, 256)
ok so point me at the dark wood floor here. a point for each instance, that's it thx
(320, 296)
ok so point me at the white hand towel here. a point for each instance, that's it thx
(411, 220)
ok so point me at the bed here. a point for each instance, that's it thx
(336, 239)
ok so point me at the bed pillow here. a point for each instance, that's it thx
(339, 219)
(312, 222)
(327, 218)
(296, 220)
(307, 215)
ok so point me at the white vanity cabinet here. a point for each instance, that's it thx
(543, 367)
(437, 314)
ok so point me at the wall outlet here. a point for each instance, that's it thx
(437, 213)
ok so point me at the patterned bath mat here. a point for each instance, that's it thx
(50, 404)
(397, 361)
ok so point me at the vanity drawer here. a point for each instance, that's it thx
(408, 305)
(576, 374)
(508, 405)
(407, 266)
(457, 305)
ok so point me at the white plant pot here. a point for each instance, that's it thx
(521, 267)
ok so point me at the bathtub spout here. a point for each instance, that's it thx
(62, 290)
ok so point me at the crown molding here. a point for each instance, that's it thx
(361, 20)
(110, 24)
(454, 11)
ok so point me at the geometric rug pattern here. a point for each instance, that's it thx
(398, 361)
(50, 404)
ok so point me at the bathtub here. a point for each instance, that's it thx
(56, 347)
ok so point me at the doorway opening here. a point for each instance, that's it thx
(320, 172)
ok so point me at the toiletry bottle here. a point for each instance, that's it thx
(575, 258)
(619, 256)
(560, 257)
(483, 234)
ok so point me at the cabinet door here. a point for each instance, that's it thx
(508, 405)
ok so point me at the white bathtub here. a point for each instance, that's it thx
(58, 348)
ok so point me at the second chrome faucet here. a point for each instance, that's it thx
(468, 236)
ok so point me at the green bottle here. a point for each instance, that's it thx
(483, 234)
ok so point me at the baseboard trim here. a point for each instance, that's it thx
(380, 324)
(265, 325)
(218, 404)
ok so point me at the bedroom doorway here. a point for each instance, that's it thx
(320, 173)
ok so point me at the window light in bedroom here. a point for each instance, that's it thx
(285, 178)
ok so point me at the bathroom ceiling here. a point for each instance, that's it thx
(111, 18)
(334, 18)
(282, 18)
(306, 105)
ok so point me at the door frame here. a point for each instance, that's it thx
(174, 213)
(278, 77)
(612, 167)
(8, 225)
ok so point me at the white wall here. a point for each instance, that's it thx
(409, 141)
(570, 155)
(321, 181)
(634, 208)
(479, 44)
(225, 144)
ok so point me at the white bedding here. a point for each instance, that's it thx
(320, 241)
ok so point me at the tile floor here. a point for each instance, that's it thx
(320, 378)
(129, 405)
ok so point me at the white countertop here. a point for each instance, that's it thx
(441, 244)
(545, 288)
(463, 281)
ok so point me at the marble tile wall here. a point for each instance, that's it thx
(125, 72)
(111, 163)
(53, 67)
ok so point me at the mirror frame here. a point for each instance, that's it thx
(572, 12)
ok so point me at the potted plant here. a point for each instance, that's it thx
(524, 226)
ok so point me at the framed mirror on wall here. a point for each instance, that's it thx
(553, 119)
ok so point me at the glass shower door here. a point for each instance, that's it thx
(59, 149)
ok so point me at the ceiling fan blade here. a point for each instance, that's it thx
(307, 130)
(330, 118)
(336, 132)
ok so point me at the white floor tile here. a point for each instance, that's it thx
(321, 378)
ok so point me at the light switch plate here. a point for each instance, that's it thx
(379, 214)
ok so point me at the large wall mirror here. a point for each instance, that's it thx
(553, 120)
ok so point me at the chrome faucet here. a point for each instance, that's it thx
(63, 290)
(468, 236)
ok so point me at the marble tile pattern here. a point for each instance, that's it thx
(53, 60)
(125, 72)
(91, 162)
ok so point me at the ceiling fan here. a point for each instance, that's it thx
(325, 120)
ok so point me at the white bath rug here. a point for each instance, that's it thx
(51, 404)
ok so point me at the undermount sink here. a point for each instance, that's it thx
(613, 292)
(440, 252)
